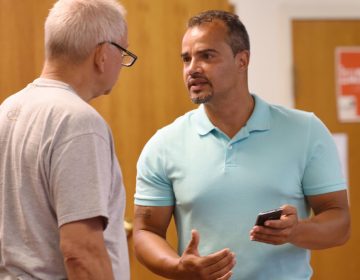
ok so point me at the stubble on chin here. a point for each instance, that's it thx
(200, 98)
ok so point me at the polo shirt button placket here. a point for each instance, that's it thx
(229, 154)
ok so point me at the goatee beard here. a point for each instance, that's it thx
(201, 99)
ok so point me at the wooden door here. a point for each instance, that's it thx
(151, 94)
(314, 43)
(148, 95)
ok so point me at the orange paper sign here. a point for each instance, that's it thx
(348, 83)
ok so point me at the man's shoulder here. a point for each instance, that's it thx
(291, 116)
(292, 112)
(295, 120)
(72, 112)
(62, 110)
(279, 111)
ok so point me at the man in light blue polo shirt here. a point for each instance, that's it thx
(217, 167)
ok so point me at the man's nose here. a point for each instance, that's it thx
(193, 67)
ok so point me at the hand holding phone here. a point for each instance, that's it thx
(262, 217)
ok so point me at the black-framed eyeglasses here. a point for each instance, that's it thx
(128, 57)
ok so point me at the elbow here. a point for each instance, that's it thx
(345, 233)
(137, 241)
(86, 261)
(82, 255)
(73, 254)
(342, 241)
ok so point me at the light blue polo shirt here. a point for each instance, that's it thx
(218, 185)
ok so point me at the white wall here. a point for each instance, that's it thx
(269, 25)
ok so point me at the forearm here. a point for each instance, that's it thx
(328, 229)
(156, 254)
(91, 267)
(83, 248)
(152, 249)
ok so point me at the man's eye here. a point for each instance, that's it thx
(186, 59)
(207, 56)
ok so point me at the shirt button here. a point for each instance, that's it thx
(230, 147)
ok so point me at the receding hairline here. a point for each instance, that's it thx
(238, 37)
(217, 23)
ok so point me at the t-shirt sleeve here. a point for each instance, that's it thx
(153, 187)
(81, 178)
(323, 172)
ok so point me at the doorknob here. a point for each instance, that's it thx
(128, 225)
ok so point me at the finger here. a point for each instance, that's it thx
(257, 230)
(282, 223)
(286, 221)
(193, 245)
(216, 257)
(265, 238)
(222, 267)
(273, 240)
(277, 224)
(269, 231)
(288, 210)
(228, 261)
(226, 276)
(280, 237)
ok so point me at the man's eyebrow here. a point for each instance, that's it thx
(207, 50)
(185, 54)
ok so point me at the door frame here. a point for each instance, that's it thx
(277, 16)
(310, 11)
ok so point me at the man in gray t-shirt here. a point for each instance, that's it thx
(61, 191)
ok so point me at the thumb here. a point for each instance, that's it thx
(192, 247)
(288, 210)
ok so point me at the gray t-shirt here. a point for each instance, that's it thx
(57, 165)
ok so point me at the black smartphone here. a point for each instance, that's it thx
(262, 217)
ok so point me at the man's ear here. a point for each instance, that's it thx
(100, 58)
(242, 60)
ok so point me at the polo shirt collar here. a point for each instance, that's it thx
(259, 120)
(201, 121)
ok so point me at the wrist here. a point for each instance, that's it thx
(297, 235)
(172, 268)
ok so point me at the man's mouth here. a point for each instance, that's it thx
(196, 84)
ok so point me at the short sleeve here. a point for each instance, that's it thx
(81, 178)
(323, 172)
(153, 187)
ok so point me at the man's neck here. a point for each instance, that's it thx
(231, 117)
(70, 74)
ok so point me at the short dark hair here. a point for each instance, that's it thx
(238, 36)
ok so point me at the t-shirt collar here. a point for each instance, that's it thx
(45, 82)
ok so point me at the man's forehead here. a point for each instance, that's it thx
(207, 29)
(204, 36)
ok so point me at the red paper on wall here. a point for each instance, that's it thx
(348, 83)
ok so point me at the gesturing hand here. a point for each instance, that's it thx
(277, 232)
(216, 266)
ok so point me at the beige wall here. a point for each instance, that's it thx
(269, 26)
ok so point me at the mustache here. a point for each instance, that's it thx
(196, 78)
